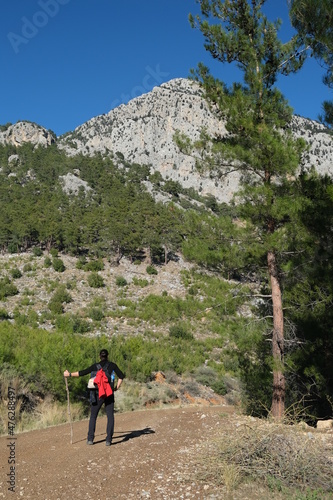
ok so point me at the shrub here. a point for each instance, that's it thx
(140, 282)
(3, 314)
(72, 323)
(47, 262)
(61, 295)
(56, 306)
(95, 280)
(180, 331)
(54, 252)
(16, 273)
(81, 262)
(151, 270)
(13, 248)
(94, 265)
(121, 281)
(96, 314)
(58, 265)
(27, 268)
(7, 289)
(37, 251)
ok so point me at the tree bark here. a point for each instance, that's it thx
(279, 384)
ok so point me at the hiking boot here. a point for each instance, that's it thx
(107, 443)
(90, 442)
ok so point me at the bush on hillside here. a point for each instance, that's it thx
(16, 273)
(180, 331)
(58, 265)
(7, 289)
(151, 270)
(95, 280)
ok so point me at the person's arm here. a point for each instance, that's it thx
(119, 382)
(81, 372)
(71, 374)
(120, 376)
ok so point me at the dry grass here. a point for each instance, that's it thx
(47, 414)
(278, 458)
(29, 412)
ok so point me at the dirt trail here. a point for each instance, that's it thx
(153, 456)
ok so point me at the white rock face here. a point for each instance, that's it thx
(143, 130)
(72, 184)
(23, 132)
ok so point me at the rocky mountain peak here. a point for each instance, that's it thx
(142, 131)
(23, 131)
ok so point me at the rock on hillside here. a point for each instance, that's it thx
(22, 132)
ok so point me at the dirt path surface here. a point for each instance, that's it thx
(153, 456)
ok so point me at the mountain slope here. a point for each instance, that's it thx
(142, 132)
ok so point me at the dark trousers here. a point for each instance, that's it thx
(94, 409)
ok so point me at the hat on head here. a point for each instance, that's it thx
(103, 353)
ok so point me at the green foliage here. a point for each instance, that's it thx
(58, 265)
(37, 251)
(94, 265)
(121, 281)
(81, 262)
(7, 289)
(60, 297)
(314, 21)
(72, 323)
(96, 314)
(16, 273)
(95, 280)
(56, 307)
(3, 314)
(140, 282)
(151, 270)
(180, 331)
(47, 262)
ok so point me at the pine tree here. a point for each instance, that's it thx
(314, 22)
(258, 144)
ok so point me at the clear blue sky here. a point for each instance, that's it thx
(66, 61)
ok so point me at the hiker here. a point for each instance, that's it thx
(105, 395)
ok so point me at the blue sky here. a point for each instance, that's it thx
(65, 61)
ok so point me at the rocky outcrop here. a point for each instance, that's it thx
(72, 184)
(23, 132)
(142, 131)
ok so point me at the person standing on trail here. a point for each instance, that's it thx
(104, 370)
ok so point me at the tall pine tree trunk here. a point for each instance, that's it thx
(279, 384)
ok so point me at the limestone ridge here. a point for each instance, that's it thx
(142, 132)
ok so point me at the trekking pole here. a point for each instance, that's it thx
(69, 410)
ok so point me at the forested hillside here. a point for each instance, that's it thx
(74, 212)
